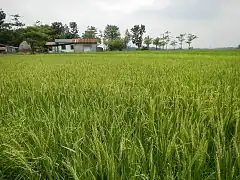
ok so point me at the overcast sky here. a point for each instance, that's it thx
(216, 22)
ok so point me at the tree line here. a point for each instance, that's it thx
(15, 31)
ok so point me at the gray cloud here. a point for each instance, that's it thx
(194, 9)
(216, 22)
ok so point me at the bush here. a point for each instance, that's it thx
(117, 44)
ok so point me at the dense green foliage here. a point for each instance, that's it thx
(137, 34)
(115, 45)
(139, 115)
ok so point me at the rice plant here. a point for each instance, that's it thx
(170, 115)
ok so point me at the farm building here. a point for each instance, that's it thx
(7, 49)
(72, 45)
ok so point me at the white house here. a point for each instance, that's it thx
(72, 45)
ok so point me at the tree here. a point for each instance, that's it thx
(190, 38)
(166, 38)
(181, 39)
(2, 17)
(16, 22)
(162, 43)
(37, 36)
(112, 32)
(58, 29)
(91, 32)
(148, 41)
(156, 42)
(115, 44)
(137, 35)
(174, 44)
(38, 23)
(73, 29)
(66, 34)
(127, 38)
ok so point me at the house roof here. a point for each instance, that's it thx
(72, 41)
(84, 41)
(3, 45)
(63, 40)
(50, 43)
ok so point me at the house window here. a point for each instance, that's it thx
(72, 47)
(63, 47)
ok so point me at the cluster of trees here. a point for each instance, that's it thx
(15, 32)
(113, 40)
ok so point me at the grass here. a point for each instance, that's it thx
(129, 115)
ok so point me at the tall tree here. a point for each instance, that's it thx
(148, 41)
(37, 36)
(91, 32)
(112, 36)
(162, 43)
(156, 42)
(38, 23)
(137, 35)
(166, 37)
(66, 34)
(174, 44)
(74, 29)
(112, 32)
(181, 39)
(58, 29)
(127, 38)
(2, 17)
(190, 38)
(16, 21)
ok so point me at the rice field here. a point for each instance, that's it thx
(167, 115)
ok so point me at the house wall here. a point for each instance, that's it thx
(68, 49)
(7, 49)
(85, 47)
(59, 49)
(77, 48)
(94, 48)
(3, 49)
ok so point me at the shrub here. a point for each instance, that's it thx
(117, 44)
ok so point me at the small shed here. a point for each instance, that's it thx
(7, 49)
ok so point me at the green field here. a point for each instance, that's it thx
(167, 115)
